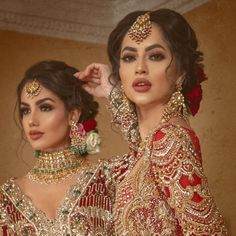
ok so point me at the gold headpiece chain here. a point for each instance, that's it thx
(141, 28)
(32, 88)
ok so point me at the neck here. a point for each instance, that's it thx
(56, 149)
(54, 167)
(149, 117)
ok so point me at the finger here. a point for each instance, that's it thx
(80, 75)
(89, 89)
(94, 80)
(94, 77)
(92, 68)
(77, 74)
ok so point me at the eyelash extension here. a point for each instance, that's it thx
(159, 56)
(23, 110)
(46, 107)
(127, 58)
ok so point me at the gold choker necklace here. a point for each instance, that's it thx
(55, 167)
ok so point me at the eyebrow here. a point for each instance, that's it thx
(38, 102)
(146, 49)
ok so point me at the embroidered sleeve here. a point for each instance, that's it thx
(124, 116)
(176, 161)
(4, 221)
(118, 167)
(3, 216)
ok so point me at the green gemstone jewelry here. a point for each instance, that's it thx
(55, 167)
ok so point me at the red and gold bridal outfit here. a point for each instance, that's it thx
(164, 191)
(86, 209)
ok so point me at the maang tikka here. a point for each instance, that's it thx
(32, 89)
(78, 138)
(141, 28)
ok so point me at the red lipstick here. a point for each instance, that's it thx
(35, 135)
(141, 85)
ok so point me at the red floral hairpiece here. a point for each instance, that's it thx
(194, 96)
(89, 125)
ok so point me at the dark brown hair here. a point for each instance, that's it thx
(58, 77)
(178, 34)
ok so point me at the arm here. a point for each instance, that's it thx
(97, 79)
(124, 116)
(177, 167)
(4, 221)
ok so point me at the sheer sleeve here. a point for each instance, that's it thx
(124, 116)
(177, 168)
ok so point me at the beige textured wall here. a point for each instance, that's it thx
(214, 23)
(215, 124)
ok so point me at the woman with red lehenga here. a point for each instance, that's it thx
(161, 188)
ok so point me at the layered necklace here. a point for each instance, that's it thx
(54, 167)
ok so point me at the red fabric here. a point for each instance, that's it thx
(185, 180)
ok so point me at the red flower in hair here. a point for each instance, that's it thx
(89, 125)
(201, 75)
(194, 96)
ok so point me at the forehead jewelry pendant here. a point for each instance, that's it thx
(33, 88)
(141, 28)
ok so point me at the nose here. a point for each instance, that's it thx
(141, 67)
(33, 121)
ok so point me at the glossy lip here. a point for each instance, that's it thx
(35, 135)
(141, 85)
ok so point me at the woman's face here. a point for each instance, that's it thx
(45, 120)
(147, 70)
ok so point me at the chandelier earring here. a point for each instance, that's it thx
(176, 106)
(78, 138)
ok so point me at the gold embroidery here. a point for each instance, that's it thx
(83, 212)
(124, 116)
(175, 159)
(153, 188)
(140, 208)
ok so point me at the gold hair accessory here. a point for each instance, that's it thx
(55, 167)
(141, 28)
(32, 88)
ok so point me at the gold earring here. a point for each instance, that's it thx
(78, 138)
(176, 106)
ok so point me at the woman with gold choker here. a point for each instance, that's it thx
(63, 194)
(163, 189)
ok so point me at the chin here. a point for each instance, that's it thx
(38, 146)
(141, 102)
(139, 99)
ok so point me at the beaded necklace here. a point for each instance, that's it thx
(55, 167)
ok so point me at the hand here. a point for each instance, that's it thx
(97, 77)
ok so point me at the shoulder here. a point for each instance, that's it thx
(174, 131)
(117, 162)
(7, 186)
(7, 191)
(119, 166)
(172, 139)
(5, 201)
